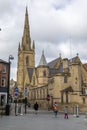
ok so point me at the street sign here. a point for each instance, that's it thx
(16, 92)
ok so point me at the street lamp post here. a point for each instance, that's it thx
(8, 88)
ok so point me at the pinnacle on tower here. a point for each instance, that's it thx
(43, 60)
(19, 48)
(33, 46)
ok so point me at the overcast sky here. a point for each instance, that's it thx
(57, 26)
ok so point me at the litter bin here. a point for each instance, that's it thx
(7, 110)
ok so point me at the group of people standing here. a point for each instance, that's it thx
(19, 109)
(55, 109)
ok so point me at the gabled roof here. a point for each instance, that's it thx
(74, 60)
(52, 63)
(85, 66)
(53, 70)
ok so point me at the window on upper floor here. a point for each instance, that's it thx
(3, 82)
(44, 73)
(65, 79)
(3, 68)
(27, 60)
(84, 100)
(33, 80)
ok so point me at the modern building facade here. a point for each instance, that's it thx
(63, 80)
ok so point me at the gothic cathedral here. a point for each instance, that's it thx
(62, 80)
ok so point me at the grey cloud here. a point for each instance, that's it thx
(50, 26)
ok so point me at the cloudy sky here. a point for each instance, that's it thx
(57, 26)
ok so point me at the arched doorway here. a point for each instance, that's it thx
(64, 93)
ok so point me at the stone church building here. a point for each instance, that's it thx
(62, 80)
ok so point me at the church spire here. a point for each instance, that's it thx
(26, 40)
(43, 60)
(33, 45)
(19, 48)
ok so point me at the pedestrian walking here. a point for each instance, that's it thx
(55, 109)
(66, 112)
(20, 109)
(36, 106)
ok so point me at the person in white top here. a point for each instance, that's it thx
(66, 112)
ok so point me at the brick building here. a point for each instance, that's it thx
(4, 70)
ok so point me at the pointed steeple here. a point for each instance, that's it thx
(19, 48)
(26, 40)
(33, 46)
(43, 60)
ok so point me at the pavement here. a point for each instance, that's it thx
(44, 120)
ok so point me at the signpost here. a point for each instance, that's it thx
(16, 92)
(16, 96)
(26, 95)
(48, 99)
(26, 91)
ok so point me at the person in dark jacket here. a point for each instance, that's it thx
(36, 107)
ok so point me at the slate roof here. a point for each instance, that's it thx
(2, 61)
(53, 70)
(85, 66)
(43, 60)
(74, 60)
(52, 63)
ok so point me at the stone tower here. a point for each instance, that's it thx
(26, 54)
(42, 71)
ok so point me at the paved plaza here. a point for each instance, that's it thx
(43, 121)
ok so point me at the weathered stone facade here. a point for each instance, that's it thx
(26, 55)
(64, 80)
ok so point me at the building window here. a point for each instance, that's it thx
(83, 90)
(27, 60)
(65, 79)
(40, 93)
(84, 100)
(43, 93)
(33, 80)
(44, 73)
(37, 94)
(3, 82)
(3, 68)
(86, 91)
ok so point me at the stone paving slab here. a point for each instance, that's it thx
(42, 122)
